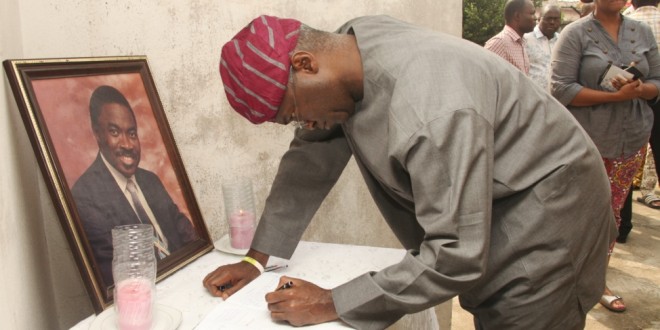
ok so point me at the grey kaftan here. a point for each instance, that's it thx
(492, 186)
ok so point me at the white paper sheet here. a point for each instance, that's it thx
(247, 309)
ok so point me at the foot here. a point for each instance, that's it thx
(612, 302)
(622, 239)
(650, 200)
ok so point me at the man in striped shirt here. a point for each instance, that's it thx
(520, 17)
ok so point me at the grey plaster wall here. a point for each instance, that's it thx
(182, 41)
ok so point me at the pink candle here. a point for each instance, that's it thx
(241, 226)
(133, 299)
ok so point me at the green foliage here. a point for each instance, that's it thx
(483, 19)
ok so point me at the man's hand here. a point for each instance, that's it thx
(226, 280)
(302, 304)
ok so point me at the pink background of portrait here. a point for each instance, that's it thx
(64, 104)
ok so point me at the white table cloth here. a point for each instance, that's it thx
(331, 264)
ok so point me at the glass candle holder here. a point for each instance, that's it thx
(134, 273)
(240, 212)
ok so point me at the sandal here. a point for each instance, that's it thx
(607, 301)
(650, 200)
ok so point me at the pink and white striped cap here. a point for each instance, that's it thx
(254, 66)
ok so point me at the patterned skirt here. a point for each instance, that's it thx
(621, 172)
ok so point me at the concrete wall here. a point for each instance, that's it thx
(39, 280)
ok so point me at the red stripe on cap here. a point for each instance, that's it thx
(254, 66)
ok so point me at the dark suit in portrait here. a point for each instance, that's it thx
(102, 205)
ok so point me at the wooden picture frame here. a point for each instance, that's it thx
(75, 157)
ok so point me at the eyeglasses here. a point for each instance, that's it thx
(296, 122)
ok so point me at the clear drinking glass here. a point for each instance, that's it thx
(134, 273)
(239, 208)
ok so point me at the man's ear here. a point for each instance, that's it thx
(305, 61)
(97, 136)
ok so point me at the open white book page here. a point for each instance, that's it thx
(247, 309)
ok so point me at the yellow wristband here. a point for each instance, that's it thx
(254, 263)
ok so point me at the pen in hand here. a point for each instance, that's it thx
(285, 286)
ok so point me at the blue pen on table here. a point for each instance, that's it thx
(285, 286)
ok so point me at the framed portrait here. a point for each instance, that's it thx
(109, 158)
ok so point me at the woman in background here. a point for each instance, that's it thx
(617, 118)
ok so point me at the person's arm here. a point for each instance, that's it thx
(566, 61)
(225, 280)
(646, 88)
(307, 172)
(565, 67)
(450, 165)
(182, 226)
(649, 91)
(653, 59)
(97, 229)
(631, 90)
(301, 303)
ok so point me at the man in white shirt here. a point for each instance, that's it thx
(539, 44)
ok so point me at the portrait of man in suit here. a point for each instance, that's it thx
(115, 191)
